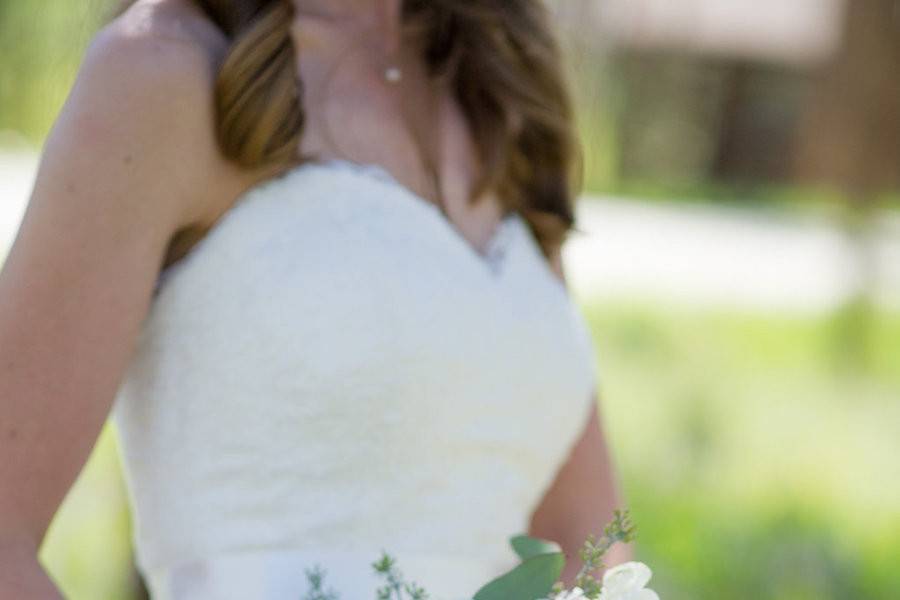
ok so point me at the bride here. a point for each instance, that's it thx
(307, 256)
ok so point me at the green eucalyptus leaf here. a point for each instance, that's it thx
(526, 546)
(532, 579)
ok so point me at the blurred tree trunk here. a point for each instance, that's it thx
(851, 134)
(850, 139)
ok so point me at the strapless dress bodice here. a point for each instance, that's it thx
(333, 371)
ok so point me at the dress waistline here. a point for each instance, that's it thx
(281, 575)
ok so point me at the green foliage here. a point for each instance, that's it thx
(526, 547)
(41, 46)
(619, 530)
(396, 587)
(317, 591)
(537, 576)
(533, 578)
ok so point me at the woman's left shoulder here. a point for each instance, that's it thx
(181, 22)
(146, 89)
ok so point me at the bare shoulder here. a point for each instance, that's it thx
(163, 52)
(144, 99)
(177, 21)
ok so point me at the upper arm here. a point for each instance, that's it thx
(582, 498)
(121, 172)
(556, 265)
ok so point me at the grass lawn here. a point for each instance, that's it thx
(759, 455)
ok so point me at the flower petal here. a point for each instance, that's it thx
(630, 576)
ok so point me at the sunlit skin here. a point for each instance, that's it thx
(78, 280)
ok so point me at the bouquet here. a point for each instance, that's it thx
(535, 578)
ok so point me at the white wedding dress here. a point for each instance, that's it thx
(334, 371)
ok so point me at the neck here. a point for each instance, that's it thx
(356, 10)
(376, 24)
(344, 50)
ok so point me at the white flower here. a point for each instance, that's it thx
(626, 582)
(573, 594)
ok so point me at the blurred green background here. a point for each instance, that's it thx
(758, 441)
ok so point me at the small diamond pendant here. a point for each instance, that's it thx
(393, 74)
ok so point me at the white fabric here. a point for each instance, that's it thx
(334, 370)
(281, 574)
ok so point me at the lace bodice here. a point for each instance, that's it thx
(332, 371)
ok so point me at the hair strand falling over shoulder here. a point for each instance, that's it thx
(502, 58)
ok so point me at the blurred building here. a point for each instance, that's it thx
(725, 89)
(798, 32)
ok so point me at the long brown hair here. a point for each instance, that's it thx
(504, 62)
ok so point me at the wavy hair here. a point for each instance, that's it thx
(502, 58)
